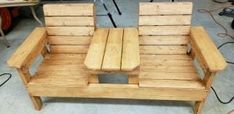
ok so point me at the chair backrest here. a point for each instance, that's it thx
(69, 26)
(164, 27)
(165, 18)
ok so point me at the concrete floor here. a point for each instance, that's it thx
(14, 98)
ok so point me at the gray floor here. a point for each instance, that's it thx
(14, 98)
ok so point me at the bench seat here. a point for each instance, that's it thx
(169, 71)
(65, 70)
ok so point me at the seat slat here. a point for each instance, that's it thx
(158, 62)
(165, 8)
(177, 84)
(163, 50)
(70, 31)
(69, 49)
(163, 57)
(164, 40)
(69, 40)
(69, 21)
(164, 30)
(168, 68)
(165, 20)
(84, 9)
(112, 57)
(169, 76)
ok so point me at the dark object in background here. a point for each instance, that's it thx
(229, 13)
(9, 16)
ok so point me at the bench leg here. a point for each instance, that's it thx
(198, 107)
(36, 102)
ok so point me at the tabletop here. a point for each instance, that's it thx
(114, 49)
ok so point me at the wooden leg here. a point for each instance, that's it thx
(133, 79)
(93, 79)
(198, 107)
(36, 102)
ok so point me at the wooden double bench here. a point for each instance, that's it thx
(167, 47)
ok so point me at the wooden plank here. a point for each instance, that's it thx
(96, 50)
(165, 8)
(69, 40)
(74, 9)
(164, 30)
(119, 91)
(163, 50)
(169, 76)
(165, 20)
(160, 62)
(113, 53)
(59, 81)
(206, 49)
(131, 53)
(164, 40)
(65, 56)
(68, 49)
(169, 69)
(177, 84)
(71, 31)
(69, 21)
(29, 49)
(163, 57)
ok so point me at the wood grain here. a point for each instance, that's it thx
(75, 9)
(96, 50)
(112, 57)
(166, 8)
(131, 53)
(206, 50)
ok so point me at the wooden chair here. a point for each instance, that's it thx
(166, 70)
(167, 61)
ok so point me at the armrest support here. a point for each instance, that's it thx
(206, 50)
(29, 49)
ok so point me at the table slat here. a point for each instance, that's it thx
(112, 57)
(130, 56)
(94, 56)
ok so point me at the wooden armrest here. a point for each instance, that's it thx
(206, 50)
(29, 49)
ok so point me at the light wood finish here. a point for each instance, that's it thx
(29, 49)
(114, 49)
(165, 8)
(163, 40)
(24, 75)
(198, 107)
(164, 30)
(119, 91)
(65, 72)
(93, 79)
(173, 50)
(206, 50)
(84, 9)
(130, 47)
(165, 20)
(69, 49)
(70, 31)
(96, 51)
(36, 102)
(69, 21)
(133, 79)
(113, 52)
(69, 40)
